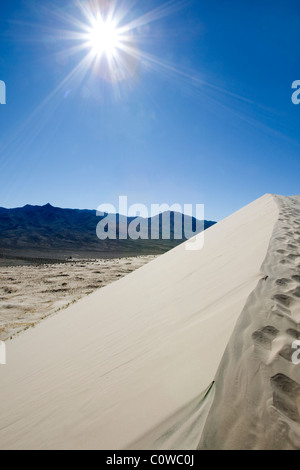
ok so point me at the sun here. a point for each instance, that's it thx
(109, 35)
(104, 38)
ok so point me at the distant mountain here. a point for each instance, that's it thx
(52, 232)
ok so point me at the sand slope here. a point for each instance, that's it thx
(257, 390)
(30, 293)
(132, 365)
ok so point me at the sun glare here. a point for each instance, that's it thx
(112, 41)
(104, 38)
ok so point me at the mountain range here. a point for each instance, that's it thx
(47, 232)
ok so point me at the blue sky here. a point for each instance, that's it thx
(205, 116)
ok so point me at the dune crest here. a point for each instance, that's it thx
(257, 390)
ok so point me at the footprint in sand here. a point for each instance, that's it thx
(274, 343)
(283, 281)
(292, 247)
(286, 395)
(287, 352)
(265, 336)
(295, 334)
(285, 261)
(296, 292)
(283, 299)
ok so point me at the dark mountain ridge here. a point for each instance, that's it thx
(52, 232)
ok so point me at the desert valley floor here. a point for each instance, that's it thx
(30, 293)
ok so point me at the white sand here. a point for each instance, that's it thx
(130, 365)
(257, 390)
(30, 293)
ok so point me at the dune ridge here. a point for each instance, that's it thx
(257, 390)
(133, 365)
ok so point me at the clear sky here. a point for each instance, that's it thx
(197, 109)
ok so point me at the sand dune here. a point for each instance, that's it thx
(257, 391)
(29, 293)
(141, 363)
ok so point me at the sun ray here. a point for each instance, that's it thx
(104, 32)
(158, 13)
(118, 60)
